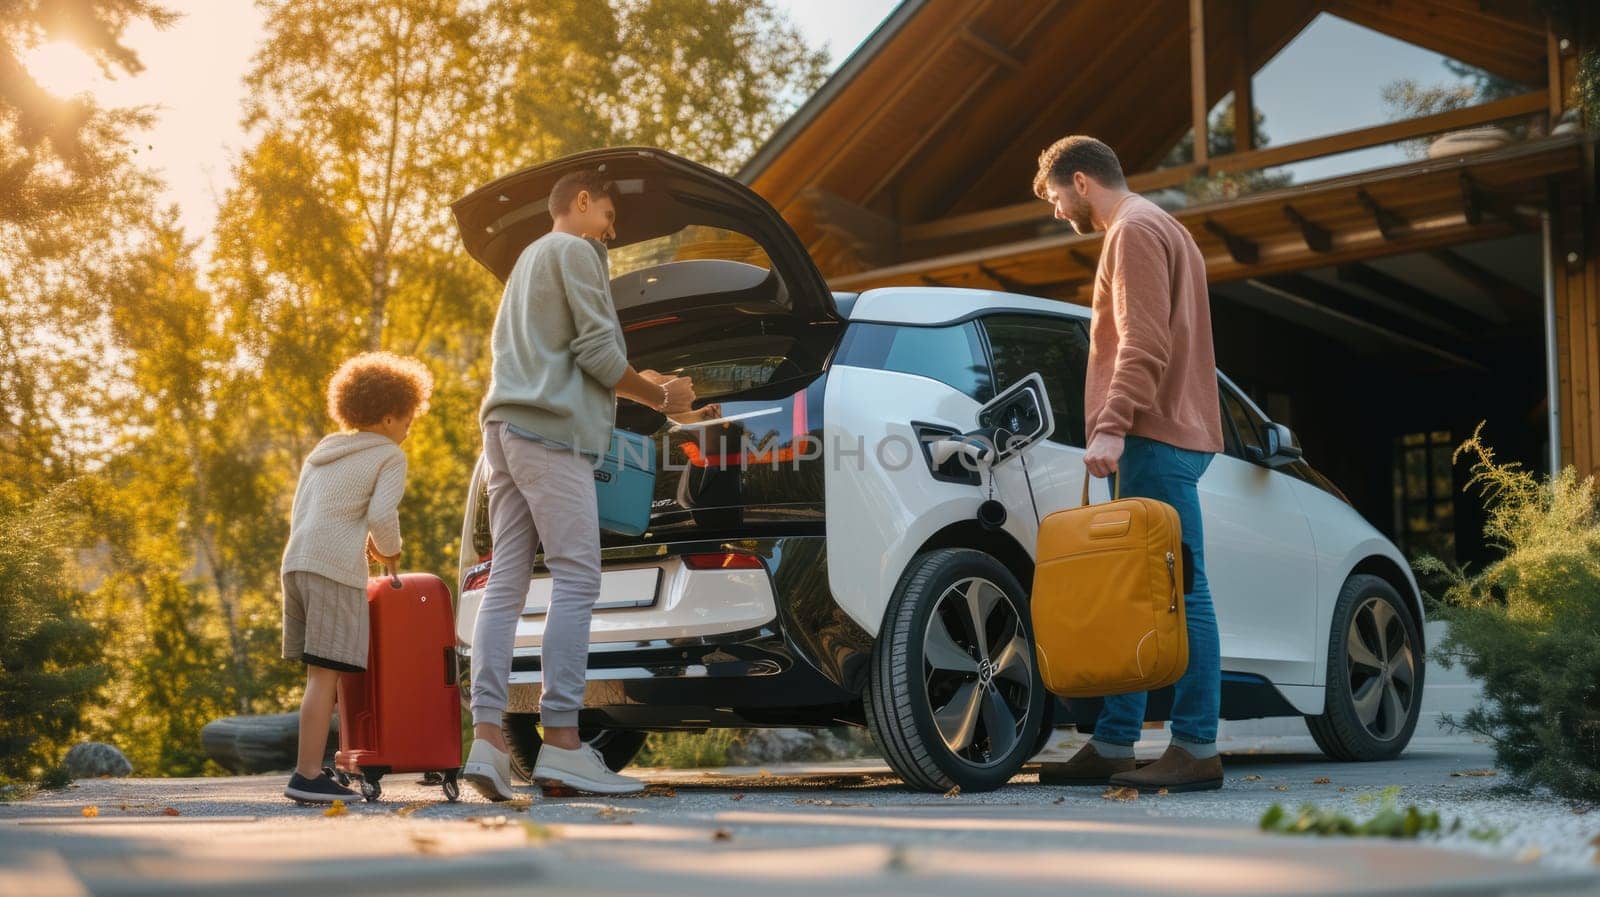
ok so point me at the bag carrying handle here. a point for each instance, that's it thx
(1116, 488)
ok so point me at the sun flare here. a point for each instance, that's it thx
(62, 68)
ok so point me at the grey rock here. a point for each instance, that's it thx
(754, 747)
(266, 743)
(93, 759)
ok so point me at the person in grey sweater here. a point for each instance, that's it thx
(346, 513)
(559, 363)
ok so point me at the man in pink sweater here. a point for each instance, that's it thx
(1153, 421)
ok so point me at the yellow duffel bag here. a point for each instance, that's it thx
(1107, 600)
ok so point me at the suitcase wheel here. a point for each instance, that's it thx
(341, 777)
(452, 788)
(371, 790)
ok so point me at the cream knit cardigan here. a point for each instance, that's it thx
(350, 485)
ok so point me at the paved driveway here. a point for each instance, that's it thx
(833, 829)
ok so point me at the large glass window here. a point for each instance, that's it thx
(1424, 494)
(1246, 426)
(1058, 350)
(697, 241)
(952, 354)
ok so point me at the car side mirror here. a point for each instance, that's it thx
(1282, 447)
(1016, 418)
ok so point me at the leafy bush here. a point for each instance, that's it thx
(1528, 625)
(1389, 822)
(687, 750)
(48, 652)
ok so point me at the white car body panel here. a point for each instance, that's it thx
(879, 514)
(689, 604)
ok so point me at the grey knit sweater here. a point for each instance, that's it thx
(558, 347)
(350, 485)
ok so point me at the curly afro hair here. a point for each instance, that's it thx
(375, 385)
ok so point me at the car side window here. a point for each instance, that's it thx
(1057, 348)
(951, 354)
(1245, 424)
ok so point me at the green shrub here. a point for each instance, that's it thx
(687, 750)
(1528, 625)
(48, 652)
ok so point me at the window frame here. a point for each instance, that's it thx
(994, 374)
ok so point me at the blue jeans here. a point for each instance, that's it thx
(1151, 469)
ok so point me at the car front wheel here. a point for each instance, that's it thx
(1375, 674)
(953, 697)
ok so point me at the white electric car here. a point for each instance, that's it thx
(819, 554)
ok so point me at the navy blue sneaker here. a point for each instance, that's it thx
(320, 790)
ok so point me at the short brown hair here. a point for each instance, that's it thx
(574, 182)
(1070, 155)
(375, 385)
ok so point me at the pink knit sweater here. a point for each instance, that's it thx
(1152, 370)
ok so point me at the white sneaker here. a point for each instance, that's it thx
(580, 770)
(489, 770)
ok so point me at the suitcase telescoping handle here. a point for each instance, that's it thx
(1116, 485)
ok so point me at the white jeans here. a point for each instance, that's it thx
(538, 497)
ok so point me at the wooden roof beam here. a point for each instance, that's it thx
(1317, 237)
(1084, 260)
(871, 235)
(1333, 302)
(988, 46)
(1244, 250)
(1389, 223)
(1452, 316)
(1475, 201)
(1006, 284)
(1508, 296)
(1199, 108)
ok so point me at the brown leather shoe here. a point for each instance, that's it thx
(1086, 767)
(1176, 771)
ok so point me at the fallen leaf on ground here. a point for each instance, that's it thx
(1474, 774)
(1123, 794)
(490, 822)
(170, 811)
(814, 801)
(425, 843)
(408, 809)
(1322, 780)
(763, 774)
(955, 791)
(520, 804)
(1595, 843)
(1059, 800)
(1343, 789)
(1161, 791)
(737, 797)
(536, 831)
(613, 812)
(1251, 779)
(722, 834)
(660, 791)
(335, 809)
(1280, 787)
(91, 812)
(1530, 855)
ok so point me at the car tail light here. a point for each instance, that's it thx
(723, 560)
(477, 576)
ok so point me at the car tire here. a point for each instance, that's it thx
(1371, 708)
(617, 746)
(938, 724)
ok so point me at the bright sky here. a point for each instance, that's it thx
(193, 74)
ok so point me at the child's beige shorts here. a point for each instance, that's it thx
(324, 622)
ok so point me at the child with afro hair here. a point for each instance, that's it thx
(345, 515)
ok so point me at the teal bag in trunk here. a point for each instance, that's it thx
(625, 483)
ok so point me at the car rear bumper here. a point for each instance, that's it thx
(714, 647)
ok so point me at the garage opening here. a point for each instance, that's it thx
(1384, 366)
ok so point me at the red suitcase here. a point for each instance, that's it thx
(404, 713)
